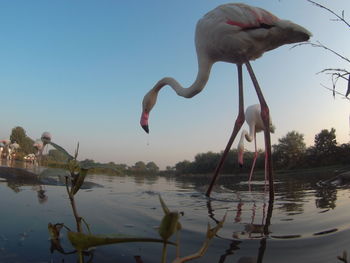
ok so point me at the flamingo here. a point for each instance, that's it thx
(255, 123)
(6, 147)
(42, 142)
(13, 149)
(39, 146)
(233, 33)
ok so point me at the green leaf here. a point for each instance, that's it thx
(76, 152)
(61, 149)
(79, 180)
(211, 232)
(170, 222)
(165, 208)
(83, 241)
(169, 225)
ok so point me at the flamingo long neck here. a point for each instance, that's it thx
(248, 136)
(204, 67)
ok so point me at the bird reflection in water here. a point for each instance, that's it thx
(252, 230)
(41, 193)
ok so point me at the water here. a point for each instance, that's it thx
(307, 223)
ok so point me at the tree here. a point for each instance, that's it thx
(87, 162)
(289, 151)
(205, 162)
(18, 135)
(326, 146)
(325, 142)
(152, 167)
(139, 167)
(183, 167)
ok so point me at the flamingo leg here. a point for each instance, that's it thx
(238, 124)
(266, 173)
(265, 116)
(254, 161)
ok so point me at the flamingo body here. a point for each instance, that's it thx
(256, 125)
(238, 33)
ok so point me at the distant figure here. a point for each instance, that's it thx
(13, 150)
(40, 144)
(6, 151)
(255, 123)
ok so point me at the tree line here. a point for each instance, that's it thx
(289, 153)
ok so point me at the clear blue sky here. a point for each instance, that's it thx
(79, 69)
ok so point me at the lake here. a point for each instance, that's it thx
(305, 223)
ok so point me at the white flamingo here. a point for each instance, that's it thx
(6, 148)
(42, 142)
(234, 33)
(39, 146)
(255, 123)
(1, 149)
(13, 147)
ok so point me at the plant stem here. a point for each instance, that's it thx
(164, 252)
(75, 212)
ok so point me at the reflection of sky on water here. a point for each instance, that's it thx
(303, 217)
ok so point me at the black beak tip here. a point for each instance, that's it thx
(145, 127)
(240, 165)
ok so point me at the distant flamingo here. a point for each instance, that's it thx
(13, 147)
(42, 142)
(255, 123)
(39, 146)
(6, 148)
(234, 33)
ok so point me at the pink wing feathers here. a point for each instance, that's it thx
(246, 17)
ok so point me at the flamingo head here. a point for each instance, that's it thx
(148, 102)
(294, 33)
(46, 138)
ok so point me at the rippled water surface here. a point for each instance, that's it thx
(305, 223)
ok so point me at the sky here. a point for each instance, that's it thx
(79, 69)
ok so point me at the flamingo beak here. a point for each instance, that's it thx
(144, 121)
(145, 127)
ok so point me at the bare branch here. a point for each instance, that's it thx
(336, 92)
(320, 45)
(336, 73)
(340, 18)
(334, 69)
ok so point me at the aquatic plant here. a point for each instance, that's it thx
(170, 225)
(83, 242)
(79, 240)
